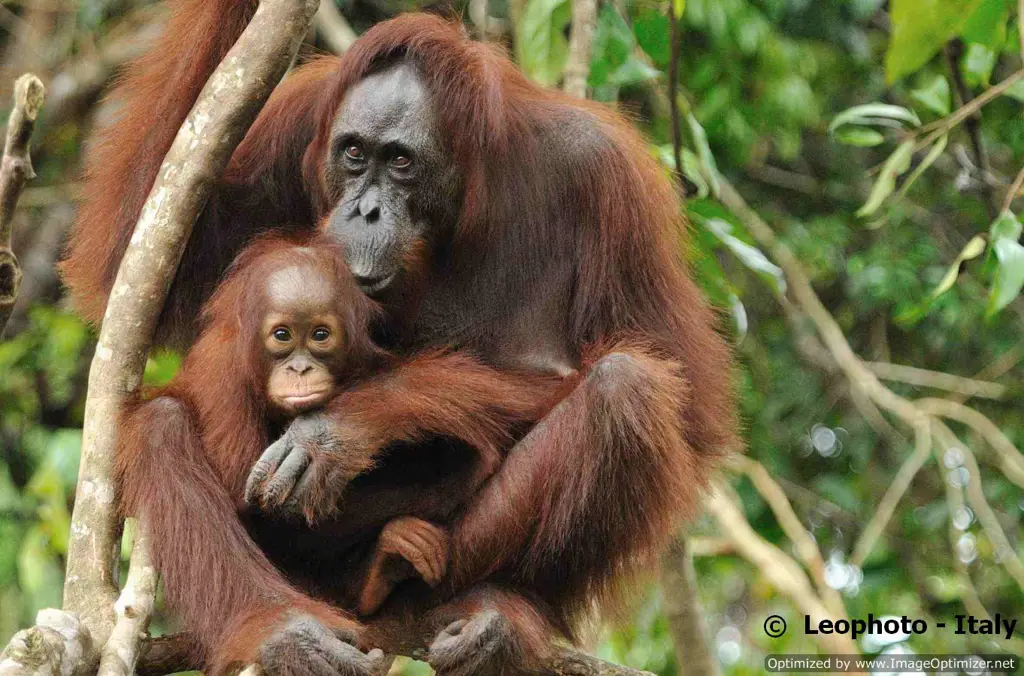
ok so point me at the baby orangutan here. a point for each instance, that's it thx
(288, 333)
(310, 349)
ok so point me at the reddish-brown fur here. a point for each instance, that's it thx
(569, 238)
(185, 452)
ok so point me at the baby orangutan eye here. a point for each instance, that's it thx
(282, 335)
(321, 333)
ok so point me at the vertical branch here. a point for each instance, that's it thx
(675, 40)
(226, 107)
(577, 69)
(954, 50)
(15, 172)
(133, 609)
(682, 609)
(333, 27)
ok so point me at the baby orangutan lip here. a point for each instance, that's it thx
(300, 401)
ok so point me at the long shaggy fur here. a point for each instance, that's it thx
(563, 207)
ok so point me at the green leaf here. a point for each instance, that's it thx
(884, 185)
(987, 25)
(1006, 226)
(934, 96)
(1009, 275)
(691, 168)
(679, 7)
(1016, 91)
(613, 44)
(859, 136)
(929, 159)
(919, 30)
(973, 249)
(652, 32)
(541, 44)
(750, 256)
(707, 159)
(873, 113)
(977, 65)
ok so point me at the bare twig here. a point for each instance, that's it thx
(581, 38)
(333, 27)
(806, 547)
(226, 107)
(681, 607)
(954, 50)
(15, 172)
(782, 571)
(1012, 460)
(1014, 190)
(911, 466)
(1006, 555)
(911, 375)
(942, 126)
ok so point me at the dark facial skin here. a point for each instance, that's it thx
(303, 340)
(391, 175)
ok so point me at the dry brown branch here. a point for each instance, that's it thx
(681, 607)
(806, 547)
(581, 38)
(226, 107)
(782, 571)
(15, 172)
(880, 519)
(911, 375)
(333, 27)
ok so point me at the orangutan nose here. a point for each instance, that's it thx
(300, 366)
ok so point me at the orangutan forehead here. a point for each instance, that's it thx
(393, 100)
(299, 288)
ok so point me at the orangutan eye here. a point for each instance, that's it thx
(355, 153)
(282, 335)
(401, 162)
(321, 333)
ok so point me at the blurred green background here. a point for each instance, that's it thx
(836, 121)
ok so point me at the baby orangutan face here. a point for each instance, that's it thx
(303, 338)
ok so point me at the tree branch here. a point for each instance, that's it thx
(969, 387)
(581, 38)
(134, 608)
(782, 571)
(681, 607)
(332, 26)
(226, 107)
(15, 172)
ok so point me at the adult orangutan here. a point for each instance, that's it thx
(552, 243)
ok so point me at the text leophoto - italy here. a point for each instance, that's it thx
(998, 625)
